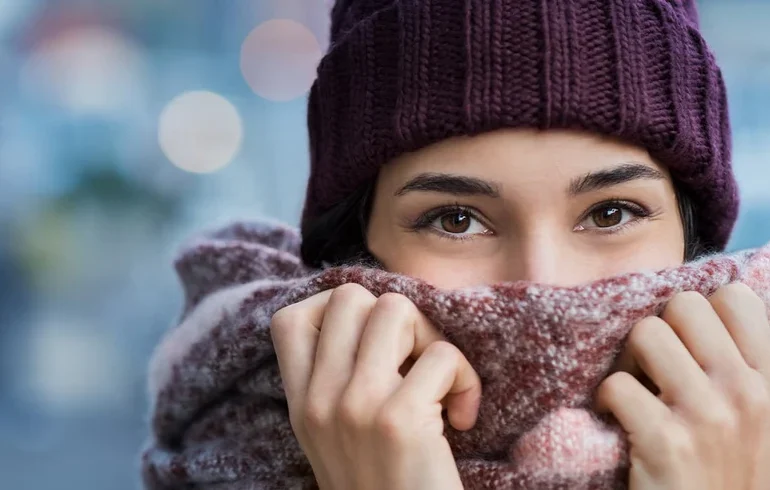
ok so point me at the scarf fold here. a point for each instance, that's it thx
(218, 413)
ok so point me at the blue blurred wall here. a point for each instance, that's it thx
(91, 210)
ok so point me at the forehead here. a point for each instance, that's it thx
(515, 157)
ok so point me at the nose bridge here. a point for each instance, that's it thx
(540, 261)
(542, 258)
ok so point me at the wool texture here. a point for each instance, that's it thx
(400, 75)
(219, 417)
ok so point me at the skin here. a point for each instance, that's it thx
(535, 229)
(367, 378)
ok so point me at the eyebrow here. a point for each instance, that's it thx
(459, 185)
(621, 174)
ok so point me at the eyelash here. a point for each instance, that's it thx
(640, 213)
(426, 220)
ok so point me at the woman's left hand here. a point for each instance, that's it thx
(708, 427)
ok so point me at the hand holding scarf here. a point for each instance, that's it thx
(219, 414)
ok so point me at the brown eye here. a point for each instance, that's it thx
(612, 216)
(456, 222)
(453, 222)
(607, 217)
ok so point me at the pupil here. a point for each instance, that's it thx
(607, 217)
(456, 222)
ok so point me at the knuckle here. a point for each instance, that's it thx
(615, 382)
(316, 415)
(391, 424)
(614, 386)
(683, 303)
(737, 293)
(351, 292)
(352, 410)
(650, 326)
(395, 301)
(442, 349)
(738, 290)
(283, 318)
(676, 442)
(728, 291)
(719, 419)
(751, 396)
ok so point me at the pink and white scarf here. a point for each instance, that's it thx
(219, 416)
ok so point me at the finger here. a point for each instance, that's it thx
(343, 324)
(744, 315)
(442, 371)
(645, 417)
(404, 371)
(395, 331)
(295, 330)
(631, 403)
(626, 363)
(660, 354)
(703, 333)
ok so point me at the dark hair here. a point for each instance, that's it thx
(339, 236)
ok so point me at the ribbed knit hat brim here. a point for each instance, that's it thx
(401, 75)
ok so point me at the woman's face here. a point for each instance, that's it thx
(552, 207)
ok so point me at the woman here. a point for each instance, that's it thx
(558, 143)
(646, 185)
(551, 207)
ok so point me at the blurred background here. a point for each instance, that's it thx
(127, 125)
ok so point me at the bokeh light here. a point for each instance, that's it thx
(279, 59)
(86, 70)
(200, 131)
(62, 363)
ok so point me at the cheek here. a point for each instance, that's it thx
(442, 264)
(444, 272)
(652, 252)
(646, 260)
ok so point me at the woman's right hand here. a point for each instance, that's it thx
(361, 423)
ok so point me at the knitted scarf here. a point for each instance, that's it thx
(219, 417)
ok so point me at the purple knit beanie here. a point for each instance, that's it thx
(402, 74)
